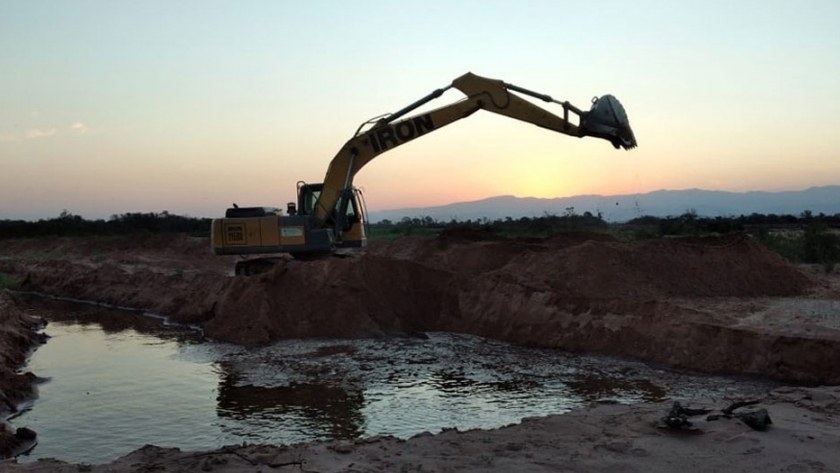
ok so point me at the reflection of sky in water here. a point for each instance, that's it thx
(110, 391)
(115, 390)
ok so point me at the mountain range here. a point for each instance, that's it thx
(620, 208)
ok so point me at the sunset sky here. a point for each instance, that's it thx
(114, 106)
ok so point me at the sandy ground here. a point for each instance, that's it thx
(804, 437)
(721, 305)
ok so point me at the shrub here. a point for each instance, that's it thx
(7, 282)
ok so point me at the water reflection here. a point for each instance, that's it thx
(457, 382)
(110, 320)
(597, 388)
(331, 411)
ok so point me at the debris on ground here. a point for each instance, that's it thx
(678, 416)
(758, 420)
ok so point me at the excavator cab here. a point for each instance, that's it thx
(308, 195)
(347, 218)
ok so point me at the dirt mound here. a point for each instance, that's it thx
(345, 298)
(162, 251)
(595, 265)
(718, 267)
(188, 296)
(663, 268)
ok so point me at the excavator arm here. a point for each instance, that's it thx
(324, 221)
(606, 119)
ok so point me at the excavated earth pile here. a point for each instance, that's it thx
(17, 337)
(173, 275)
(695, 303)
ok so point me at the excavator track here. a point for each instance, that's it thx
(253, 267)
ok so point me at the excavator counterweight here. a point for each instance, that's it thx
(330, 215)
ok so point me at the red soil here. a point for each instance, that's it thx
(679, 302)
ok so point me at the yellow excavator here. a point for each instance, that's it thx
(329, 216)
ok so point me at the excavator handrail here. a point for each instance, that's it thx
(370, 121)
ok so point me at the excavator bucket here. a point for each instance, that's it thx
(607, 119)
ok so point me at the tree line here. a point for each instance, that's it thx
(688, 223)
(542, 226)
(815, 238)
(691, 223)
(67, 224)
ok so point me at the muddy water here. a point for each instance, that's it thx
(119, 380)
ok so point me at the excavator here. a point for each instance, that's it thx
(330, 216)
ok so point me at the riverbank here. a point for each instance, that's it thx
(18, 337)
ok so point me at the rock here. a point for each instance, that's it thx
(758, 420)
(24, 433)
(341, 447)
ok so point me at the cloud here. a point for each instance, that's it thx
(39, 133)
(77, 128)
(80, 127)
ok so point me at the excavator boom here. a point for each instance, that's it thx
(606, 119)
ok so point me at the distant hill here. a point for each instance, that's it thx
(620, 208)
